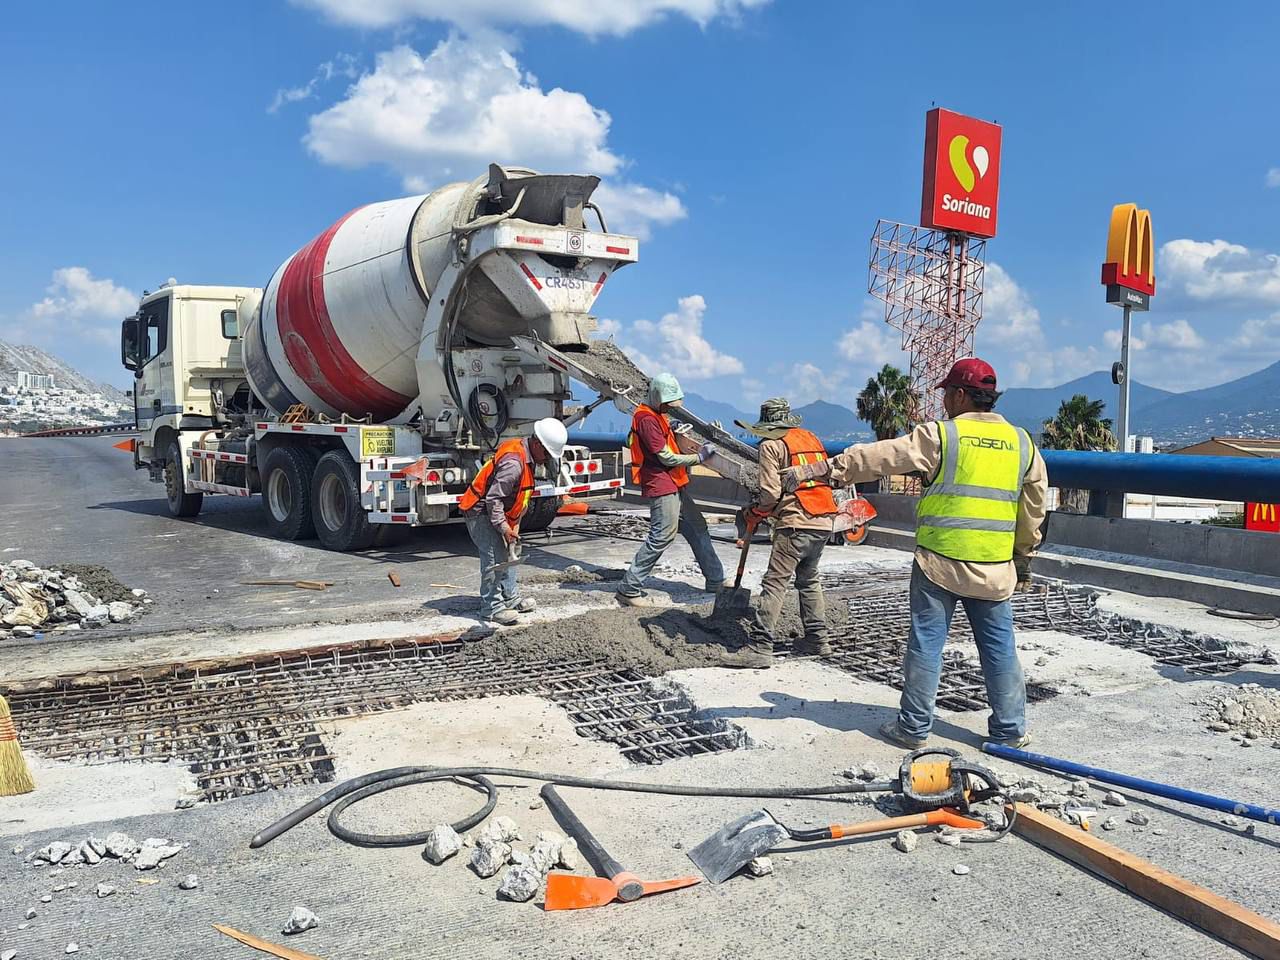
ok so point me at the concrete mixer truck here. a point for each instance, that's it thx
(363, 387)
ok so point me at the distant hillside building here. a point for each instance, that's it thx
(34, 381)
(1233, 447)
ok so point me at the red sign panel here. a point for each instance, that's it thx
(961, 173)
(1262, 516)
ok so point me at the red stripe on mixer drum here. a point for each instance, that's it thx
(311, 344)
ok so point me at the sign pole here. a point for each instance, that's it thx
(1123, 418)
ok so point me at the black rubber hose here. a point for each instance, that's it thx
(374, 783)
(482, 784)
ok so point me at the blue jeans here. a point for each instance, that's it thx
(497, 589)
(992, 621)
(667, 515)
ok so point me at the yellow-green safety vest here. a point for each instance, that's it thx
(969, 511)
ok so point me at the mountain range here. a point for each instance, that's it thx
(1248, 406)
(23, 356)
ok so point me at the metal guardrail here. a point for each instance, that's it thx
(98, 431)
(1252, 479)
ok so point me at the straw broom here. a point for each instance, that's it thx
(15, 777)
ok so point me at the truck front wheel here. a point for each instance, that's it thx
(286, 493)
(181, 503)
(340, 518)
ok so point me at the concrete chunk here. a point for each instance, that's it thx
(759, 867)
(55, 852)
(300, 921)
(569, 856)
(520, 884)
(489, 857)
(120, 845)
(905, 841)
(500, 829)
(189, 882)
(1114, 799)
(442, 843)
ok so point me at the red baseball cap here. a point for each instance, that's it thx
(972, 373)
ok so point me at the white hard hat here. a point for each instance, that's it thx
(552, 434)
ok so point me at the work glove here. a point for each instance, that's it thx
(705, 451)
(1023, 567)
(510, 533)
(792, 477)
(746, 520)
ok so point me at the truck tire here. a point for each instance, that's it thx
(181, 503)
(286, 493)
(340, 519)
(540, 515)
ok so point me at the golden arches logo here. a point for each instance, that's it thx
(1264, 513)
(1130, 249)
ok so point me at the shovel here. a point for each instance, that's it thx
(513, 557)
(735, 599)
(736, 844)
(568, 891)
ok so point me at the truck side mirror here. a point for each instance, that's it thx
(130, 338)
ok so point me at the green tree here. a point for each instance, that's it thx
(888, 403)
(1078, 425)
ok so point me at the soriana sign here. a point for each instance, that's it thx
(961, 173)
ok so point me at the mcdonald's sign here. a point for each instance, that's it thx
(1262, 516)
(1129, 273)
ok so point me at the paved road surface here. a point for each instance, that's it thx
(79, 500)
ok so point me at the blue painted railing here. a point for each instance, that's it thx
(1212, 478)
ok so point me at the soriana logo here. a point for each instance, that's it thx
(961, 173)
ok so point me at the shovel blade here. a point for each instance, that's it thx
(731, 600)
(735, 844)
(568, 891)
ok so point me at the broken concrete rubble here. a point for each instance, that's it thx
(905, 841)
(1114, 799)
(120, 845)
(442, 843)
(154, 852)
(1138, 818)
(189, 882)
(35, 599)
(104, 890)
(300, 921)
(499, 829)
(759, 867)
(489, 857)
(520, 883)
(569, 856)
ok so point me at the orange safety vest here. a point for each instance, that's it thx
(480, 485)
(678, 474)
(814, 495)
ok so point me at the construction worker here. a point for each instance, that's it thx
(977, 526)
(493, 506)
(661, 472)
(801, 528)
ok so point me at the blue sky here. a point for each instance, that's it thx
(753, 143)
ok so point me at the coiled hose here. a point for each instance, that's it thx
(477, 778)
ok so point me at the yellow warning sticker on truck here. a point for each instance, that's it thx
(377, 441)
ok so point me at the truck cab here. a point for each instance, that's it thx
(183, 346)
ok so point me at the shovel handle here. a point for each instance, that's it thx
(742, 563)
(596, 855)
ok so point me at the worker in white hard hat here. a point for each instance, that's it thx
(660, 470)
(493, 506)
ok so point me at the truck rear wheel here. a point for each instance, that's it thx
(340, 518)
(181, 503)
(286, 493)
(540, 515)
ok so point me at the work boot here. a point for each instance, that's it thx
(1017, 743)
(894, 733)
(634, 600)
(755, 655)
(503, 618)
(812, 648)
(525, 605)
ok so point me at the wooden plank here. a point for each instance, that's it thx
(1202, 908)
(275, 949)
(394, 578)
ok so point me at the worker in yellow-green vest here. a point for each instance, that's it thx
(977, 526)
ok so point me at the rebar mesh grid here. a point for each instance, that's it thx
(879, 608)
(252, 727)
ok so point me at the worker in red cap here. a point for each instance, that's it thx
(977, 526)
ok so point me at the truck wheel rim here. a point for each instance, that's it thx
(171, 483)
(279, 496)
(333, 503)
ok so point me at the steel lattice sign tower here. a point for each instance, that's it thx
(930, 276)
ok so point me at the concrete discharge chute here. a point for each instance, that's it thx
(364, 319)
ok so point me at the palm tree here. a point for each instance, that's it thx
(1078, 425)
(888, 403)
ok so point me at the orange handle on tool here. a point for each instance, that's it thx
(933, 818)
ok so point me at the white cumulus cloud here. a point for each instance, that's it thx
(1219, 270)
(1273, 177)
(591, 17)
(675, 343)
(447, 115)
(77, 305)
